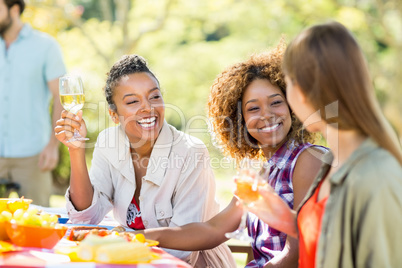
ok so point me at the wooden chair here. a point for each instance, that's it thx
(6, 187)
(241, 247)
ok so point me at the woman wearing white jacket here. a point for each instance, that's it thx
(149, 173)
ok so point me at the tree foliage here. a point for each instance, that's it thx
(188, 43)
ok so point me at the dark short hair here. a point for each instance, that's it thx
(128, 64)
(20, 3)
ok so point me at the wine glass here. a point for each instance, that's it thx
(252, 174)
(72, 98)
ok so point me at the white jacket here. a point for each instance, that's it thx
(178, 187)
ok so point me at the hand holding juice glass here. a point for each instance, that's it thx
(252, 174)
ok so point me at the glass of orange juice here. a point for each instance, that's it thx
(247, 188)
(252, 174)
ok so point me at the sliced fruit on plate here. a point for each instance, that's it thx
(6, 247)
(71, 252)
(88, 246)
(139, 238)
(125, 253)
(78, 234)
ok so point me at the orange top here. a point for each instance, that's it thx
(309, 225)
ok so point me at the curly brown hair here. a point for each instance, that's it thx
(224, 103)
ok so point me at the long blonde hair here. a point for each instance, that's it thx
(327, 63)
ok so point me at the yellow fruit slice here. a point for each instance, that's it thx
(140, 238)
(22, 203)
(125, 253)
(3, 206)
(88, 246)
(151, 243)
(71, 252)
(5, 247)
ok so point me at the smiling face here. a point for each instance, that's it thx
(266, 113)
(139, 107)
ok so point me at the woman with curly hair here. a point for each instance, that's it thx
(148, 172)
(251, 118)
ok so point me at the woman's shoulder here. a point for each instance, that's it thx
(375, 178)
(372, 174)
(110, 131)
(299, 151)
(308, 158)
(310, 147)
(379, 165)
(185, 141)
(109, 136)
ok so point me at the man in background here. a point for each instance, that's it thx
(30, 65)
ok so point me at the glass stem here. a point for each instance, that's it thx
(243, 220)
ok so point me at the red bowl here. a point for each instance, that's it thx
(34, 236)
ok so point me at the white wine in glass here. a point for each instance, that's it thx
(72, 98)
(72, 102)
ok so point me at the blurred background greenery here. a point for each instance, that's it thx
(188, 42)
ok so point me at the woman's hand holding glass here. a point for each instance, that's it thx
(72, 98)
(67, 126)
(252, 174)
(273, 210)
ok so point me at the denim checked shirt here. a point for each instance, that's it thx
(268, 241)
